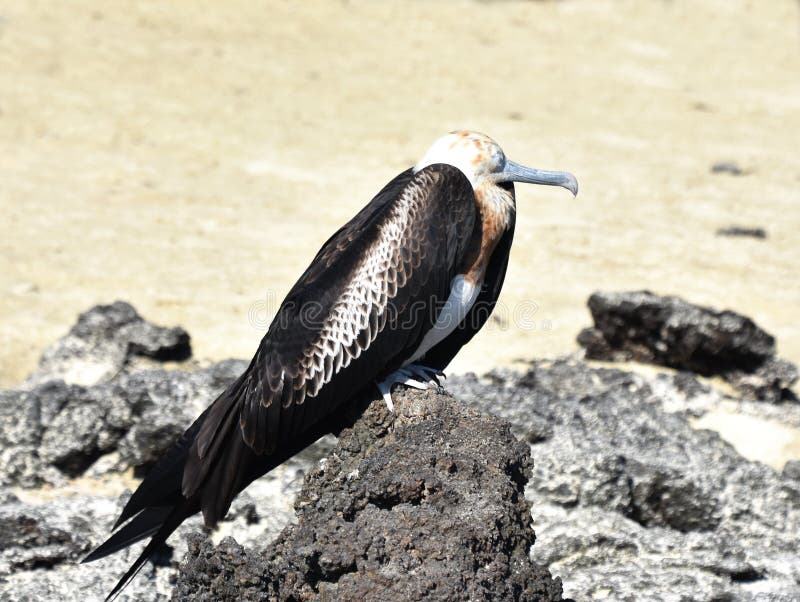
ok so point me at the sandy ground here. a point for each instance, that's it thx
(191, 157)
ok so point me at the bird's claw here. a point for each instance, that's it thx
(412, 375)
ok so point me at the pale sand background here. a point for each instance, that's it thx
(190, 157)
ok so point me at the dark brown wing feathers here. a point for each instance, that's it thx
(360, 309)
(401, 249)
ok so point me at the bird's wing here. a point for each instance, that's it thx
(360, 308)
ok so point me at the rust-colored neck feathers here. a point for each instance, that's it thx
(496, 214)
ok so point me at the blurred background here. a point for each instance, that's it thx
(190, 157)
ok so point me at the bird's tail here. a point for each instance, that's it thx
(159, 522)
(187, 480)
(155, 510)
(167, 497)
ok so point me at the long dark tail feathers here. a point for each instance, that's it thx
(186, 481)
(181, 483)
(171, 522)
(144, 524)
(156, 508)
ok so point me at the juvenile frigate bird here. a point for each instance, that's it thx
(390, 298)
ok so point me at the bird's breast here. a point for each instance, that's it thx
(463, 294)
(494, 214)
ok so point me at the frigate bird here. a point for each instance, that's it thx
(390, 298)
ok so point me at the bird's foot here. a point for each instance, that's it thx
(412, 375)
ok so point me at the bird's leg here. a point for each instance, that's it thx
(412, 375)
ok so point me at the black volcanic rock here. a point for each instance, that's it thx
(669, 331)
(630, 501)
(641, 326)
(30, 538)
(423, 504)
(52, 429)
(103, 341)
(42, 542)
(56, 431)
(771, 381)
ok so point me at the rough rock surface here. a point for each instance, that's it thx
(43, 538)
(426, 504)
(32, 538)
(770, 381)
(632, 503)
(52, 431)
(42, 543)
(671, 332)
(103, 341)
(56, 431)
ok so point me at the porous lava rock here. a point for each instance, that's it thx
(669, 331)
(423, 504)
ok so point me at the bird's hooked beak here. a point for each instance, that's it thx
(514, 172)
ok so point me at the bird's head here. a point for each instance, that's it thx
(484, 163)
